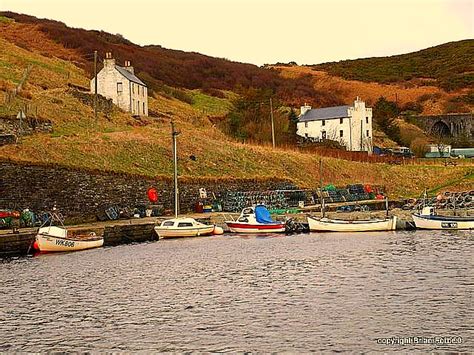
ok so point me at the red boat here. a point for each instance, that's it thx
(255, 220)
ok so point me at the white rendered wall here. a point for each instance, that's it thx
(131, 99)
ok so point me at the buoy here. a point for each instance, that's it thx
(35, 245)
(218, 230)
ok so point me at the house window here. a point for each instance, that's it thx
(367, 133)
(341, 133)
(323, 134)
(133, 88)
(323, 122)
(138, 107)
(306, 135)
(340, 121)
(143, 108)
(367, 120)
(306, 125)
(119, 87)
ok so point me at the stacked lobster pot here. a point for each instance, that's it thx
(452, 200)
(446, 200)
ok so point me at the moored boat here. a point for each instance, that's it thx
(184, 227)
(325, 224)
(255, 220)
(428, 219)
(52, 238)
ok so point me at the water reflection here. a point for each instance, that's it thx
(315, 292)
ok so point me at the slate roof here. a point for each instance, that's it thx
(325, 113)
(129, 75)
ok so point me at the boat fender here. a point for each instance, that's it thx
(218, 230)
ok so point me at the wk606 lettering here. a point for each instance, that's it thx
(66, 243)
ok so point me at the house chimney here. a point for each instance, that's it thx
(109, 62)
(304, 109)
(128, 66)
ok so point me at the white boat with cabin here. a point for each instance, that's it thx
(183, 227)
(428, 219)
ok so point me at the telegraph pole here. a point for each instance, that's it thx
(95, 85)
(273, 125)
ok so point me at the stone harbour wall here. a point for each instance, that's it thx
(82, 196)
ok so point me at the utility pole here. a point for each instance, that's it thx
(273, 125)
(95, 85)
(174, 134)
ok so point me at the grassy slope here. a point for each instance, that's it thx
(403, 93)
(123, 144)
(448, 65)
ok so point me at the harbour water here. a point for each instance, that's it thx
(313, 292)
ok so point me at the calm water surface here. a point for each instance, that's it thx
(315, 292)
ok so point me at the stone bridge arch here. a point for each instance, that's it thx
(450, 125)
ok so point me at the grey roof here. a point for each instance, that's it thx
(129, 75)
(325, 113)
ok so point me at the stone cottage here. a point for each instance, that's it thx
(122, 86)
(349, 125)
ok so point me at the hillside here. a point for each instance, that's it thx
(156, 65)
(118, 142)
(448, 66)
(432, 99)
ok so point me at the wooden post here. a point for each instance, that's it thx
(273, 125)
(95, 85)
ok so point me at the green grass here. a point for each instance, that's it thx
(210, 105)
(4, 19)
(468, 178)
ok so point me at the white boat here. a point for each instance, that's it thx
(52, 238)
(325, 224)
(183, 227)
(428, 219)
(255, 220)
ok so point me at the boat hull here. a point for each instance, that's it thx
(439, 222)
(170, 232)
(335, 225)
(238, 227)
(48, 243)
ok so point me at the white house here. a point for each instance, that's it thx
(122, 86)
(349, 125)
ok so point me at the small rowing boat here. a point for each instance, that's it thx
(52, 238)
(325, 224)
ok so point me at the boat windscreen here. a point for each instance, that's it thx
(262, 215)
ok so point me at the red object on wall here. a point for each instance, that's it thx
(152, 194)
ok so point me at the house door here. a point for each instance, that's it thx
(323, 135)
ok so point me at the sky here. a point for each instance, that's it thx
(269, 31)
